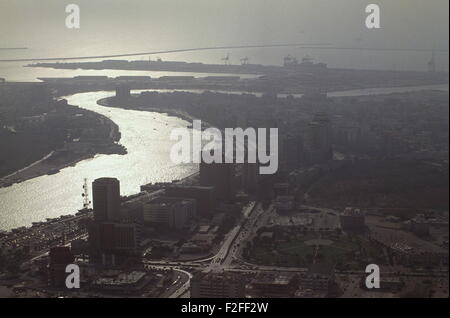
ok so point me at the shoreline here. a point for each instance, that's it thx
(27, 167)
(331, 94)
(9, 180)
(116, 135)
(40, 169)
(170, 112)
(59, 159)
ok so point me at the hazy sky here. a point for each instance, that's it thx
(188, 23)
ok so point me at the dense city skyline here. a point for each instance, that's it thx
(245, 150)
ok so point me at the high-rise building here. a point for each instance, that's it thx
(106, 199)
(112, 239)
(220, 176)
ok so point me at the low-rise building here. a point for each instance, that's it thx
(275, 286)
(319, 278)
(172, 212)
(353, 219)
(387, 284)
(284, 204)
(113, 243)
(419, 225)
(217, 285)
(203, 195)
(122, 282)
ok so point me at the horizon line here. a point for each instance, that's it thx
(319, 46)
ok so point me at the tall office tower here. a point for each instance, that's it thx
(318, 141)
(112, 241)
(220, 176)
(106, 199)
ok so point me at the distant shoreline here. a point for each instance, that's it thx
(13, 48)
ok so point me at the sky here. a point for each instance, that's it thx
(405, 23)
(119, 26)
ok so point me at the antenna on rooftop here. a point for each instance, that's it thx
(85, 195)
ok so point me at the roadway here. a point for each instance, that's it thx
(223, 257)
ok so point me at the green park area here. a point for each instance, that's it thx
(293, 248)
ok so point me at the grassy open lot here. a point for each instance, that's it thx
(294, 249)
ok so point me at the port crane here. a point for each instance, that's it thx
(432, 63)
(85, 195)
(226, 59)
(244, 60)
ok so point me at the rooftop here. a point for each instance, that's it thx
(279, 279)
(122, 278)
